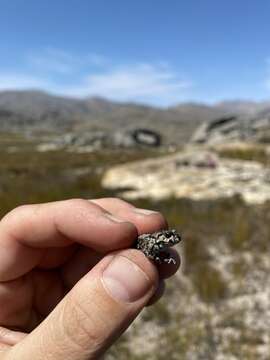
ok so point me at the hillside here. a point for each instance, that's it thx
(37, 111)
(20, 110)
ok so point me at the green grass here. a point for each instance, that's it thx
(252, 153)
(31, 177)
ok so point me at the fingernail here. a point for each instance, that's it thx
(144, 211)
(125, 281)
(114, 218)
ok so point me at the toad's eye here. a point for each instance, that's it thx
(161, 245)
(156, 248)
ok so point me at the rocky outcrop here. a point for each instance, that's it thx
(234, 128)
(136, 137)
(97, 140)
(192, 174)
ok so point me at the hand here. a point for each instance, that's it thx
(67, 288)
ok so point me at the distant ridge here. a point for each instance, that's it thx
(40, 110)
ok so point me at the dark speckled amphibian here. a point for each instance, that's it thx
(154, 245)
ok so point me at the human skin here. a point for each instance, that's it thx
(69, 283)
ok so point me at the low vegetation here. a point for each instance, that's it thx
(252, 152)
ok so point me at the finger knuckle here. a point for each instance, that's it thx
(121, 202)
(18, 213)
(117, 201)
(78, 203)
(83, 206)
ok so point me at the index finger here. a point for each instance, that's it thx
(26, 233)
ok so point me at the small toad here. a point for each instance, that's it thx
(154, 245)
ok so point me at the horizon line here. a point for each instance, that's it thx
(138, 103)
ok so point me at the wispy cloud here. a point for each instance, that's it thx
(63, 62)
(138, 82)
(63, 73)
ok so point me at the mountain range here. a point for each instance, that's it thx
(38, 110)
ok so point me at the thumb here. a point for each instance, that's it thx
(95, 312)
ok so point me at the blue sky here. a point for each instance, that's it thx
(156, 52)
